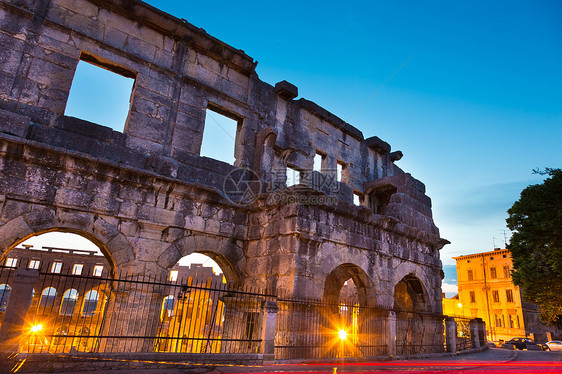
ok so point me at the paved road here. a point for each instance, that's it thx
(494, 361)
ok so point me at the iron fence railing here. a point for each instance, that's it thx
(316, 329)
(78, 313)
(140, 314)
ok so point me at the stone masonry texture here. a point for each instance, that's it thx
(147, 198)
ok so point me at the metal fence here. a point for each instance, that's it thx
(75, 313)
(316, 329)
(138, 314)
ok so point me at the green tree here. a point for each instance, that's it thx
(536, 245)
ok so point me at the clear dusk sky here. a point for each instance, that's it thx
(469, 91)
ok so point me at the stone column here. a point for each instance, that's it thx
(451, 335)
(474, 333)
(391, 333)
(269, 327)
(18, 304)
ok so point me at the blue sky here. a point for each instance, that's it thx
(471, 92)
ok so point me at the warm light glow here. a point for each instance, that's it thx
(342, 334)
(459, 305)
(36, 328)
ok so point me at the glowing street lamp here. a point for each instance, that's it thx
(342, 334)
(36, 328)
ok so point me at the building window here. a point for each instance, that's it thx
(168, 307)
(470, 275)
(34, 264)
(69, 299)
(100, 82)
(48, 297)
(11, 262)
(340, 167)
(468, 261)
(219, 129)
(90, 303)
(77, 269)
(98, 270)
(493, 274)
(357, 197)
(506, 271)
(173, 275)
(496, 296)
(517, 321)
(509, 296)
(56, 267)
(319, 160)
(472, 297)
(4, 296)
(293, 177)
(511, 324)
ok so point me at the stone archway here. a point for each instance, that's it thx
(410, 295)
(336, 279)
(224, 251)
(112, 243)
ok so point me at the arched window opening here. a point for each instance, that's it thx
(69, 300)
(4, 296)
(90, 303)
(192, 315)
(168, 307)
(48, 297)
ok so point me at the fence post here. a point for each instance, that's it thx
(474, 336)
(18, 304)
(269, 327)
(451, 334)
(391, 328)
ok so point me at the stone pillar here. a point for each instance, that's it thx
(391, 332)
(269, 327)
(474, 333)
(18, 304)
(451, 335)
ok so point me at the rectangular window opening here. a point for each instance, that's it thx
(34, 264)
(56, 267)
(340, 167)
(77, 269)
(496, 296)
(319, 162)
(101, 92)
(493, 274)
(357, 198)
(219, 136)
(173, 276)
(11, 262)
(293, 176)
(98, 270)
(509, 296)
(470, 275)
(472, 297)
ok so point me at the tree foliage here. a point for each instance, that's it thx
(536, 245)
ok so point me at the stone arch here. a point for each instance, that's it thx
(112, 243)
(409, 290)
(226, 252)
(338, 276)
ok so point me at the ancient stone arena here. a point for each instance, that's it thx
(308, 205)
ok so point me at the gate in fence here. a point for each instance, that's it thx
(65, 313)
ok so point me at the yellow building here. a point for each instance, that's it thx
(486, 291)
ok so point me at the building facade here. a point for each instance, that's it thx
(148, 195)
(486, 291)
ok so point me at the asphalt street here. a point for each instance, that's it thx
(494, 360)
